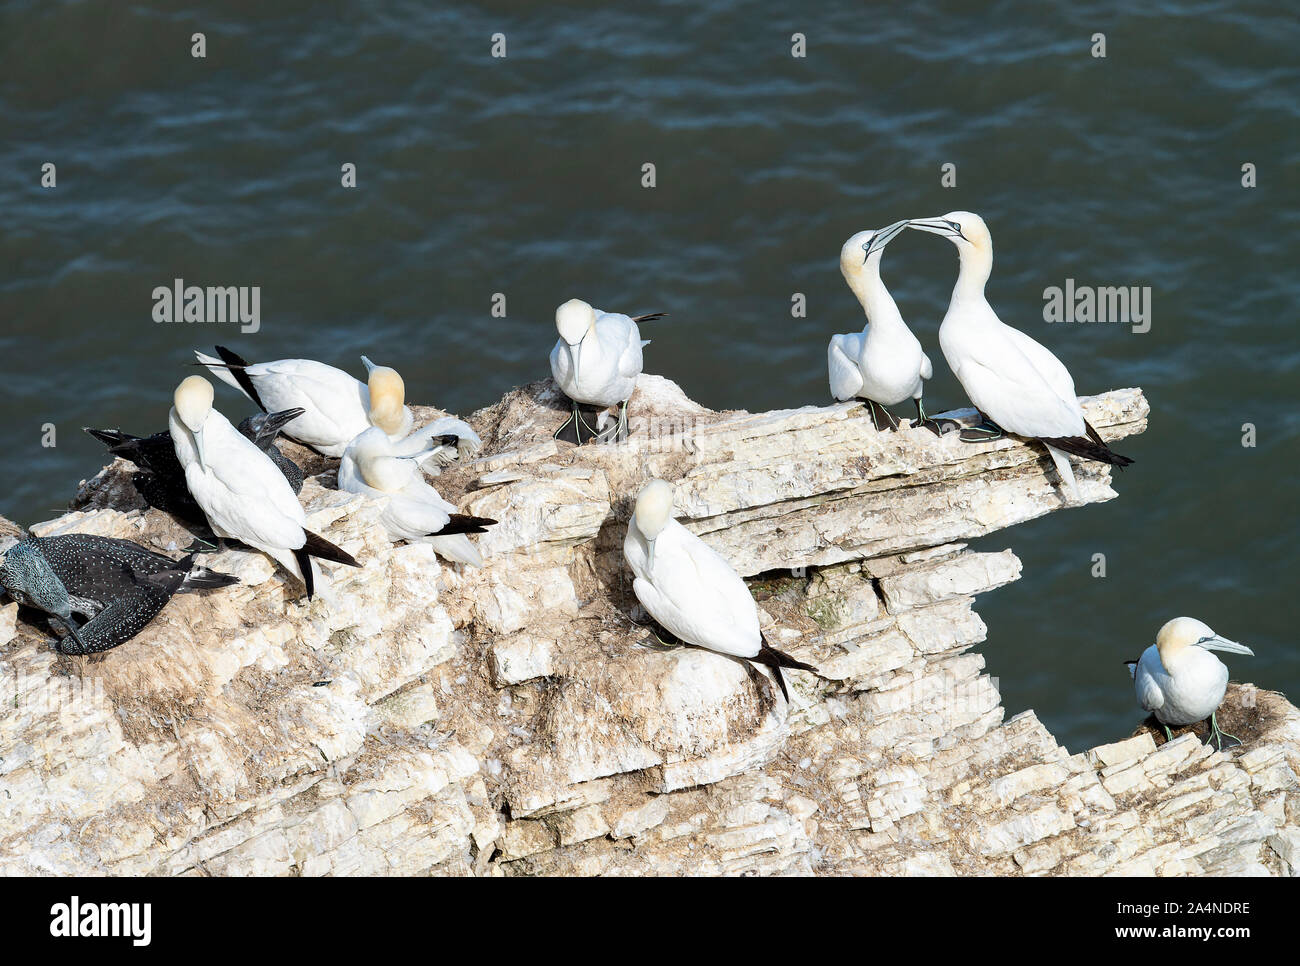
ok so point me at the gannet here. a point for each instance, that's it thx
(242, 493)
(689, 588)
(413, 510)
(596, 362)
(338, 408)
(118, 585)
(1180, 681)
(883, 364)
(1018, 385)
(160, 478)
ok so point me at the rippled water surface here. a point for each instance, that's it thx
(522, 176)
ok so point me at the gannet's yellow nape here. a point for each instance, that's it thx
(1181, 633)
(387, 399)
(193, 402)
(654, 508)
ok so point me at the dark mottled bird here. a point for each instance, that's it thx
(118, 585)
(160, 478)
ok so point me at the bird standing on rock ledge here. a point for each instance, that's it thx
(1180, 681)
(243, 494)
(689, 588)
(596, 362)
(1017, 384)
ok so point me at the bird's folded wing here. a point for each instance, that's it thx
(1013, 393)
(1048, 366)
(842, 364)
(1149, 695)
(703, 601)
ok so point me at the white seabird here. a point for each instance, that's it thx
(243, 494)
(1179, 680)
(689, 588)
(413, 510)
(338, 408)
(1017, 384)
(883, 364)
(596, 362)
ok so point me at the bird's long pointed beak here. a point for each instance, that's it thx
(650, 565)
(71, 625)
(575, 355)
(937, 226)
(198, 446)
(884, 237)
(1217, 643)
(274, 422)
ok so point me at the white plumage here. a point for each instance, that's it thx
(690, 589)
(339, 407)
(884, 363)
(413, 510)
(243, 494)
(1178, 679)
(1012, 379)
(597, 358)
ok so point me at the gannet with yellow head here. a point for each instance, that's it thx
(1177, 678)
(241, 491)
(1018, 385)
(691, 590)
(882, 365)
(413, 510)
(596, 362)
(337, 407)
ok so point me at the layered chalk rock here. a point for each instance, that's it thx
(422, 718)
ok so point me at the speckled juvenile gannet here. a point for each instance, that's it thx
(883, 364)
(1018, 385)
(596, 362)
(242, 493)
(337, 408)
(119, 585)
(1180, 681)
(160, 478)
(413, 510)
(689, 588)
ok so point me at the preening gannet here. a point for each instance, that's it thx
(242, 493)
(1180, 681)
(596, 362)
(337, 408)
(160, 478)
(413, 510)
(689, 588)
(1017, 384)
(118, 585)
(883, 364)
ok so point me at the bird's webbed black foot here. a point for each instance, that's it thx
(580, 427)
(881, 417)
(939, 427)
(985, 432)
(616, 431)
(1221, 739)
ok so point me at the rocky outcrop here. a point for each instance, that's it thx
(420, 718)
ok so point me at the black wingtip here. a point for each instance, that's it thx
(236, 364)
(465, 523)
(649, 317)
(304, 564)
(318, 546)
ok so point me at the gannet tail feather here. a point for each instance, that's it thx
(218, 369)
(236, 365)
(1090, 447)
(318, 546)
(303, 558)
(650, 317)
(774, 659)
(465, 523)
